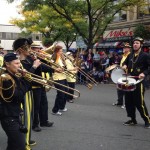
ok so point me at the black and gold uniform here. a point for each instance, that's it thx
(39, 94)
(12, 94)
(22, 46)
(137, 64)
(121, 93)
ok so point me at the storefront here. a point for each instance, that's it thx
(113, 39)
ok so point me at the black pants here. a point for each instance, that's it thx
(135, 100)
(16, 139)
(60, 100)
(71, 85)
(120, 95)
(40, 106)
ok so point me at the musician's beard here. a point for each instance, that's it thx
(137, 50)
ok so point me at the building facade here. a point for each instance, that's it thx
(9, 33)
(123, 25)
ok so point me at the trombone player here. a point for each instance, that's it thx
(36, 47)
(12, 94)
(33, 65)
(60, 78)
(70, 79)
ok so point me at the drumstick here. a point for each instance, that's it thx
(130, 76)
(134, 77)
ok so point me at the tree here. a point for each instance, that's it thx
(142, 31)
(89, 18)
(96, 14)
(52, 26)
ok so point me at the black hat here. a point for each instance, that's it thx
(126, 45)
(138, 39)
(21, 42)
(10, 57)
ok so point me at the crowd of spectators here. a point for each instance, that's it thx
(95, 63)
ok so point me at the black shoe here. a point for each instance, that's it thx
(130, 123)
(47, 124)
(147, 125)
(36, 129)
(32, 143)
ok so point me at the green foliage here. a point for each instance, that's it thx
(142, 31)
(47, 41)
(88, 18)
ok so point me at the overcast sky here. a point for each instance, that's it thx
(8, 11)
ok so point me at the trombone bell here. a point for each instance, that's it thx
(50, 49)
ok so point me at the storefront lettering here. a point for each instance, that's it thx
(118, 33)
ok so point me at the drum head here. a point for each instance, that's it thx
(116, 74)
(128, 80)
(111, 68)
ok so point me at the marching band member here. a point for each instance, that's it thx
(60, 77)
(70, 80)
(1, 56)
(22, 47)
(121, 93)
(37, 48)
(137, 64)
(11, 100)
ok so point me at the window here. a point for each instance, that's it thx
(8, 36)
(121, 16)
(144, 10)
(3, 35)
(37, 37)
(0, 35)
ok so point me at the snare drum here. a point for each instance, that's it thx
(126, 84)
(116, 74)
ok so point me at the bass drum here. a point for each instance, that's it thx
(116, 74)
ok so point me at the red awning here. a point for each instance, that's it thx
(107, 45)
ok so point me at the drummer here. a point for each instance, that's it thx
(137, 64)
(120, 93)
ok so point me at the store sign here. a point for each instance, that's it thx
(118, 34)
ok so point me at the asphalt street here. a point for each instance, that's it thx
(91, 123)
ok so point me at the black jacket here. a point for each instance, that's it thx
(28, 65)
(13, 107)
(139, 64)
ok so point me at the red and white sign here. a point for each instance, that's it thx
(118, 33)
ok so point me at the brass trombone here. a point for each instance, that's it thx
(54, 65)
(51, 49)
(46, 83)
(82, 72)
(51, 64)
